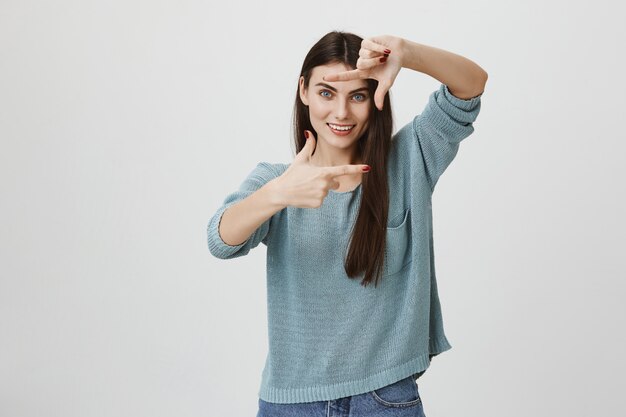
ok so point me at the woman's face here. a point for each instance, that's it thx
(343, 103)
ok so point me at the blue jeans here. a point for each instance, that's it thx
(400, 399)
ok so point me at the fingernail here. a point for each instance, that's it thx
(387, 51)
(306, 134)
(383, 59)
(366, 168)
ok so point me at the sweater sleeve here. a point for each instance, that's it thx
(444, 123)
(259, 176)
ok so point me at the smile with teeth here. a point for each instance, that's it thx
(341, 128)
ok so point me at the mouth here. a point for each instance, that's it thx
(341, 130)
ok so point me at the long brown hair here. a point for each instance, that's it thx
(366, 251)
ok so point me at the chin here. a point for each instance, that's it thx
(339, 143)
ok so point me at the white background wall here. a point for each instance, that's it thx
(124, 124)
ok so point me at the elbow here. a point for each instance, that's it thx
(479, 88)
(483, 81)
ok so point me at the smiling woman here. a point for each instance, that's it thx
(342, 111)
(335, 340)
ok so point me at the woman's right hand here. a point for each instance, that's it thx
(305, 185)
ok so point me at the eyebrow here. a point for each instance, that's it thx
(335, 90)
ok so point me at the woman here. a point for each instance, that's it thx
(352, 209)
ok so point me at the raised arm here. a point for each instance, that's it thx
(447, 119)
(464, 78)
(382, 57)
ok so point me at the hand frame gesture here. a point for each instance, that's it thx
(380, 58)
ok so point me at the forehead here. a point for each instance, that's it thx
(321, 70)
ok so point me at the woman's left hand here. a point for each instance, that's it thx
(372, 64)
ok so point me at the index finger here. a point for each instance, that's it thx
(345, 75)
(374, 46)
(346, 169)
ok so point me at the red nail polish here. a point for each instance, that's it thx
(366, 168)
(387, 51)
(383, 59)
(306, 134)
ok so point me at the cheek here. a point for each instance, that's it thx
(318, 111)
(364, 116)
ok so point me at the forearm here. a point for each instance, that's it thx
(243, 218)
(464, 78)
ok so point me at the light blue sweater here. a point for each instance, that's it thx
(329, 336)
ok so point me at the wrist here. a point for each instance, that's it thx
(275, 195)
(410, 54)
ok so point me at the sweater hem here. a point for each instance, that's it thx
(346, 389)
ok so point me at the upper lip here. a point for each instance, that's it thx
(338, 124)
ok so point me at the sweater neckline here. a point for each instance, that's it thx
(355, 189)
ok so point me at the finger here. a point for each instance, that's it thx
(374, 45)
(356, 74)
(308, 148)
(367, 53)
(367, 63)
(345, 170)
(379, 95)
(335, 184)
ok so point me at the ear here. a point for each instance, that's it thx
(302, 91)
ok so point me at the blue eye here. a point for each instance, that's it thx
(363, 96)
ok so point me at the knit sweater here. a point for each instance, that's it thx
(329, 336)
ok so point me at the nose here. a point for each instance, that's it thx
(342, 109)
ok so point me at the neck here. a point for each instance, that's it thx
(324, 158)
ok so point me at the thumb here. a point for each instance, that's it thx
(308, 148)
(379, 95)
